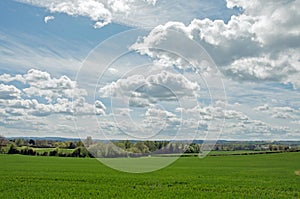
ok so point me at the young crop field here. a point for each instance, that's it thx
(239, 176)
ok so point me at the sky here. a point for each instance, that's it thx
(150, 69)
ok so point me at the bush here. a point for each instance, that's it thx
(81, 152)
(13, 149)
(54, 152)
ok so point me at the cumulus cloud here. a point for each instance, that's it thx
(261, 43)
(8, 78)
(258, 44)
(48, 18)
(151, 123)
(90, 8)
(9, 92)
(113, 71)
(159, 116)
(36, 103)
(237, 124)
(209, 113)
(42, 95)
(280, 112)
(145, 13)
(142, 90)
(41, 84)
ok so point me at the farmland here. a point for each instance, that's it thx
(252, 176)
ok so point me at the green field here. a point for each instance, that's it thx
(253, 176)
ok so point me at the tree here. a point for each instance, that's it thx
(171, 148)
(19, 142)
(13, 149)
(54, 152)
(151, 145)
(141, 147)
(128, 144)
(88, 141)
(81, 152)
(79, 144)
(3, 143)
(41, 143)
(72, 145)
(31, 142)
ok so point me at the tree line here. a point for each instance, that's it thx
(124, 148)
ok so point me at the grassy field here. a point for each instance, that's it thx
(253, 176)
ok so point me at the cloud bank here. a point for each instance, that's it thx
(30, 97)
(137, 13)
(260, 44)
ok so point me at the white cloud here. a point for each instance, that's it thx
(48, 18)
(36, 102)
(90, 8)
(142, 90)
(262, 108)
(8, 78)
(42, 95)
(155, 115)
(259, 44)
(113, 71)
(41, 84)
(142, 13)
(9, 92)
(152, 2)
(209, 113)
(280, 112)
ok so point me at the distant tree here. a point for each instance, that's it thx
(88, 141)
(81, 152)
(79, 144)
(27, 151)
(54, 152)
(13, 149)
(41, 143)
(19, 142)
(31, 142)
(142, 148)
(177, 148)
(128, 144)
(72, 145)
(3, 141)
(62, 145)
(120, 144)
(151, 146)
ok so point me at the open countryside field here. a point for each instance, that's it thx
(254, 176)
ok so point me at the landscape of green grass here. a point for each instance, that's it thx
(238, 176)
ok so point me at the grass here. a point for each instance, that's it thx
(255, 176)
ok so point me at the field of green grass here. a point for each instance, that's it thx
(216, 153)
(253, 176)
(41, 150)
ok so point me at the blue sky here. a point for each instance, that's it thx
(150, 69)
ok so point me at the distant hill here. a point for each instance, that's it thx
(58, 139)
